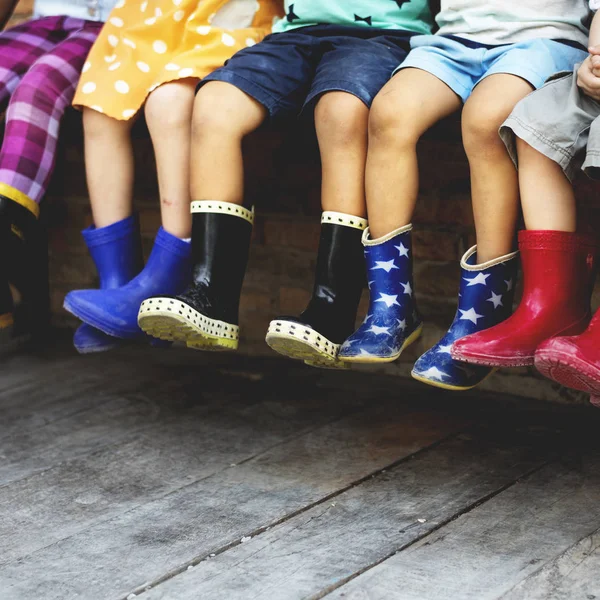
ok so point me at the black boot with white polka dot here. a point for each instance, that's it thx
(315, 336)
(205, 316)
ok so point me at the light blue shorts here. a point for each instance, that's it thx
(461, 64)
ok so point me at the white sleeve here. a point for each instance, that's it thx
(594, 4)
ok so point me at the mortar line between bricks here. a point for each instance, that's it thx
(481, 501)
(260, 530)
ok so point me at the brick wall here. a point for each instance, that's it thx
(283, 182)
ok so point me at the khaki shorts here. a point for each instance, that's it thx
(561, 122)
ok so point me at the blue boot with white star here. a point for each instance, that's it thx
(392, 322)
(485, 299)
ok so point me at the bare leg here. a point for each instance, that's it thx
(407, 106)
(547, 196)
(341, 121)
(169, 118)
(109, 167)
(494, 180)
(223, 116)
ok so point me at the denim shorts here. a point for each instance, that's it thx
(288, 71)
(461, 64)
(561, 122)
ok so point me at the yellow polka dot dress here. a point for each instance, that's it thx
(146, 43)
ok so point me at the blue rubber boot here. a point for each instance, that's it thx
(485, 299)
(392, 322)
(117, 253)
(115, 311)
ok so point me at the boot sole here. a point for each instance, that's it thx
(447, 386)
(411, 339)
(9, 342)
(299, 342)
(569, 371)
(175, 321)
(490, 361)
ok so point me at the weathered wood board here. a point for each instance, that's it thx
(486, 552)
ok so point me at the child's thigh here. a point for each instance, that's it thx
(360, 67)
(411, 102)
(276, 72)
(21, 46)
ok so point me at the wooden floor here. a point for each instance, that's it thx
(178, 475)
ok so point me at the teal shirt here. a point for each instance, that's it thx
(411, 15)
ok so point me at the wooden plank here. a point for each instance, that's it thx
(321, 548)
(487, 551)
(80, 405)
(153, 442)
(61, 389)
(113, 558)
(101, 411)
(574, 574)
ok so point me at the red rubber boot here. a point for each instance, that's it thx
(573, 361)
(558, 272)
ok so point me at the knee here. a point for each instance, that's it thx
(341, 118)
(217, 113)
(480, 126)
(390, 123)
(169, 107)
(39, 87)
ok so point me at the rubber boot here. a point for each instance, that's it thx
(205, 316)
(24, 252)
(392, 322)
(114, 311)
(117, 253)
(558, 271)
(317, 334)
(573, 361)
(485, 299)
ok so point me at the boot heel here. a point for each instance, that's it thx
(295, 340)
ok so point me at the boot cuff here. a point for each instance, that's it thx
(18, 197)
(338, 218)
(173, 244)
(224, 208)
(558, 240)
(467, 265)
(18, 218)
(97, 237)
(368, 241)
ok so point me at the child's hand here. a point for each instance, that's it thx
(587, 80)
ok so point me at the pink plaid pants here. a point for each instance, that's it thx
(40, 65)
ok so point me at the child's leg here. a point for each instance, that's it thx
(408, 105)
(169, 117)
(223, 116)
(109, 167)
(494, 181)
(28, 150)
(341, 121)
(34, 114)
(547, 195)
